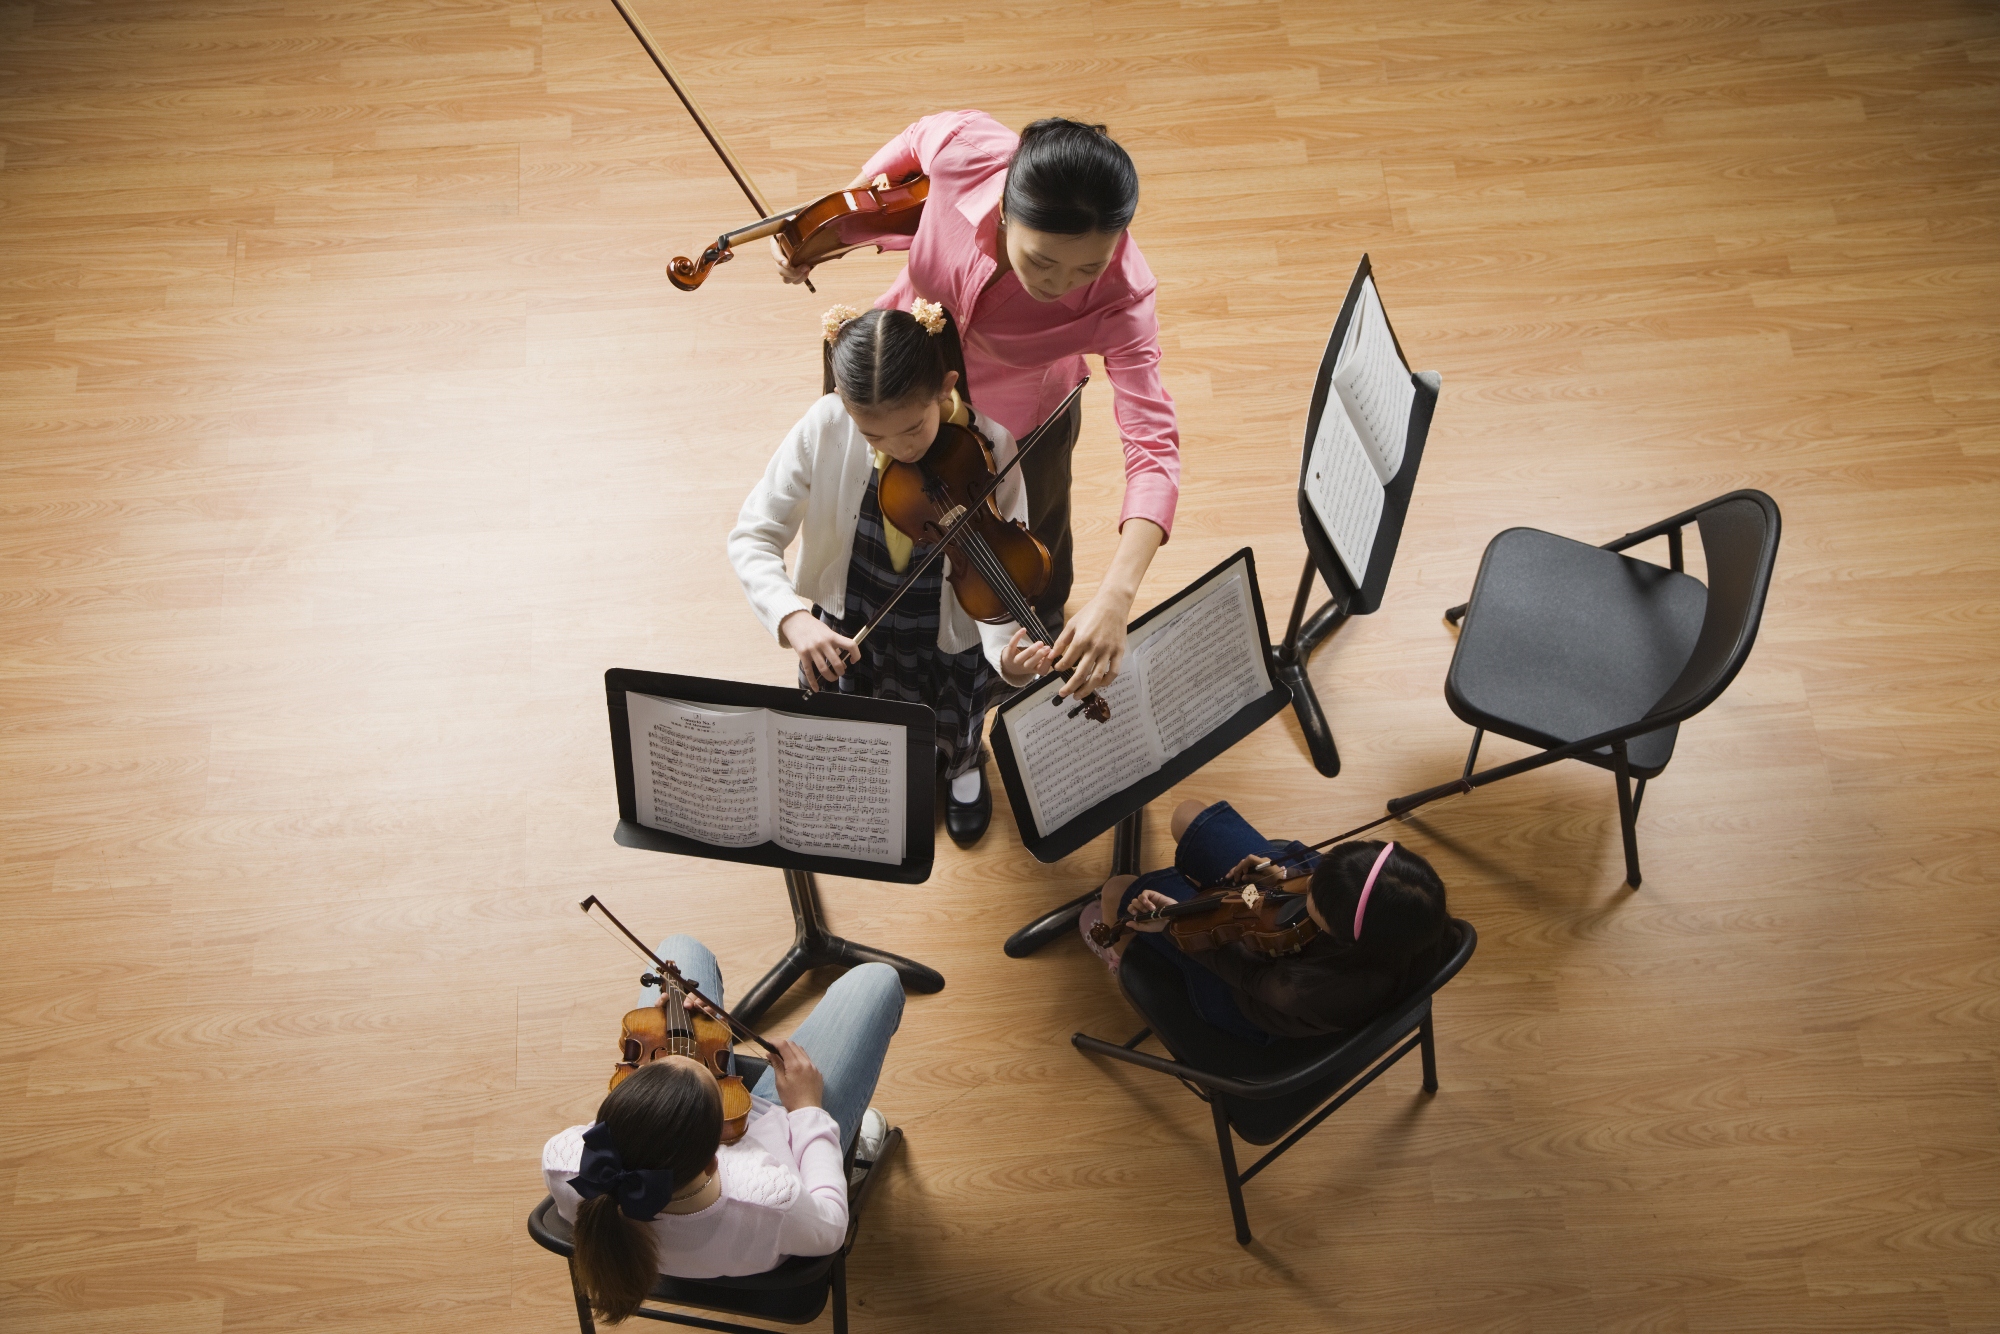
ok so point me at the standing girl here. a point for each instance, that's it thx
(893, 391)
(1024, 240)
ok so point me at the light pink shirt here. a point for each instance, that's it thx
(784, 1192)
(1023, 355)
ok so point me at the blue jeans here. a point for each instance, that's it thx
(1215, 841)
(847, 1034)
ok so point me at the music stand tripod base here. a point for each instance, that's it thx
(814, 947)
(1062, 918)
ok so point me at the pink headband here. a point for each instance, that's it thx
(1369, 887)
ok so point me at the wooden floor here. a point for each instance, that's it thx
(351, 431)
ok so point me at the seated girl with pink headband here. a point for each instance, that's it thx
(1380, 909)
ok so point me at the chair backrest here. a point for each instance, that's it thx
(552, 1232)
(1739, 536)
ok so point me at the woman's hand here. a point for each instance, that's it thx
(1093, 644)
(1146, 901)
(785, 270)
(824, 654)
(800, 1084)
(1023, 659)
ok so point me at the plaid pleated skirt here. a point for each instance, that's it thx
(901, 660)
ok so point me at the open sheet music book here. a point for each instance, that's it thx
(1362, 429)
(738, 777)
(1187, 671)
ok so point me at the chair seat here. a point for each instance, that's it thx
(1563, 640)
(1157, 990)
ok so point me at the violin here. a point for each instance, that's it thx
(1268, 922)
(825, 229)
(949, 494)
(673, 1027)
(1001, 566)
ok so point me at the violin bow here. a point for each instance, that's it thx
(741, 1031)
(930, 558)
(750, 192)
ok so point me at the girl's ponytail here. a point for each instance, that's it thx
(616, 1261)
(657, 1130)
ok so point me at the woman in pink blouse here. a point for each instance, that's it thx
(1023, 240)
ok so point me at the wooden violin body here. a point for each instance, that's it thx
(921, 498)
(824, 229)
(999, 567)
(1219, 917)
(672, 1029)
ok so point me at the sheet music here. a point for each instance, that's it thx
(1070, 764)
(1375, 385)
(1187, 672)
(699, 773)
(840, 787)
(1202, 666)
(1343, 489)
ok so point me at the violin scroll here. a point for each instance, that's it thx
(688, 274)
(1094, 707)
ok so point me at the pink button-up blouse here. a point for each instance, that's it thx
(1024, 355)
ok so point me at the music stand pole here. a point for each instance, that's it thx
(814, 947)
(1289, 660)
(1125, 838)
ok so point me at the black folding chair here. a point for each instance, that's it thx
(1284, 1089)
(1598, 656)
(793, 1294)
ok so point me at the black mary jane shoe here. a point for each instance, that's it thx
(966, 821)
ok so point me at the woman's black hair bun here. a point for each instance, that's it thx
(1070, 177)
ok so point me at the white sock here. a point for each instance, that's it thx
(965, 788)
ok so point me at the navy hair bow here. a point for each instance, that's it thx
(641, 1192)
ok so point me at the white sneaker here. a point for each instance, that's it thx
(873, 1134)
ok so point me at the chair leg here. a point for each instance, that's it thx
(583, 1320)
(1453, 615)
(1229, 1176)
(840, 1295)
(1430, 1055)
(1628, 814)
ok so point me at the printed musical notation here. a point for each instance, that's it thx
(1363, 429)
(1186, 674)
(1375, 384)
(740, 777)
(840, 789)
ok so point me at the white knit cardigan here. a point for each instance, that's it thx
(812, 490)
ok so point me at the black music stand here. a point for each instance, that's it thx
(1124, 811)
(1303, 634)
(813, 946)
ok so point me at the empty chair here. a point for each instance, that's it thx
(1599, 656)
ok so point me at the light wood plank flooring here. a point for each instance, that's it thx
(351, 430)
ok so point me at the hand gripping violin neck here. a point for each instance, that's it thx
(1270, 922)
